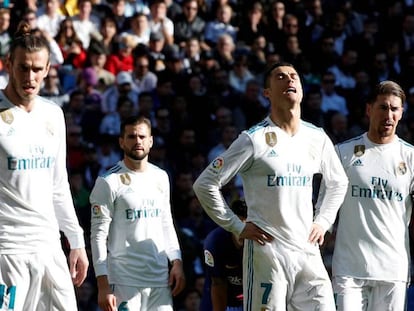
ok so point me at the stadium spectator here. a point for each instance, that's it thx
(123, 59)
(71, 45)
(162, 125)
(191, 54)
(344, 71)
(222, 24)
(274, 22)
(156, 52)
(312, 103)
(108, 31)
(252, 25)
(96, 59)
(189, 25)
(146, 106)
(124, 86)
(253, 105)
(111, 122)
(240, 74)
(191, 300)
(5, 37)
(138, 28)
(159, 22)
(52, 88)
(144, 79)
(224, 51)
(118, 10)
(331, 100)
(49, 20)
(29, 16)
(380, 69)
(85, 23)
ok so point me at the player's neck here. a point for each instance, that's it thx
(11, 94)
(378, 139)
(287, 120)
(135, 165)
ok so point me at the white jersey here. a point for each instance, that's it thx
(35, 198)
(372, 239)
(277, 171)
(132, 232)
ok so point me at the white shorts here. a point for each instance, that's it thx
(354, 294)
(278, 279)
(38, 281)
(138, 298)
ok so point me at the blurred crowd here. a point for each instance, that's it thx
(195, 68)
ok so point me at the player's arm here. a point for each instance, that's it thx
(219, 293)
(332, 193)
(106, 299)
(65, 211)
(218, 173)
(101, 200)
(176, 277)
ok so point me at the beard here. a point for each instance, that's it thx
(20, 92)
(134, 155)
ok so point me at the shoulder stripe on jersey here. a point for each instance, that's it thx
(258, 126)
(114, 169)
(349, 140)
(405, 143)
(311, 125)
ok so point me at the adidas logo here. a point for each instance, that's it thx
(272, 154)
(357, 163)
(129, 190)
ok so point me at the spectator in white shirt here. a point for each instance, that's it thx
(51, 18)
(86, 25)
(159, 22)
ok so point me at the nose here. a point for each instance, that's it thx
(31, 75)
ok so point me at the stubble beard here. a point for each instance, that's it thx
(135, 156)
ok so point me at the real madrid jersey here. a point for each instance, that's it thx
(277, 171)
(372, 239)
(132, 232)
(35, 199)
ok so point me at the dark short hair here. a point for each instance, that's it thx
(133, 120)
(387, 87)
(25, 39)
(272, 67)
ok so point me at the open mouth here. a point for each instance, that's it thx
(290, 90)
(29, 89)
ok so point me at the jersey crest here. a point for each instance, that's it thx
(7, 116)
(271, 139)
(401, 168)
(359, 150)
(208, 258)
(96, 210)
(217, 164)
(49, 129)
(125, 179)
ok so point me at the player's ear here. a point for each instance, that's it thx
(266, 92)
(46, 71)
